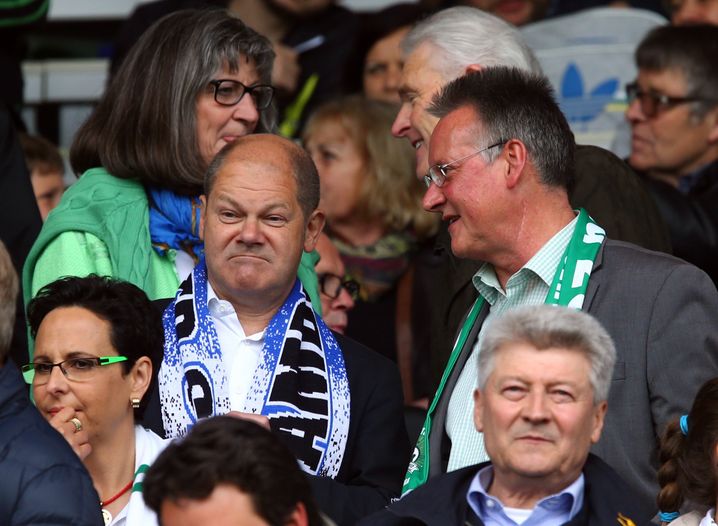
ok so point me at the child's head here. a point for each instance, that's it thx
(364, 171)
(46, 171)
(689, 452)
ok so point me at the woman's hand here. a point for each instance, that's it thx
(66, 423)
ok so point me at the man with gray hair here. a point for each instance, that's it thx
(501, 163)
(544, 374)
(446, 46)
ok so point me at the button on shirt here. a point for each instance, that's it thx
(549, 511)
(240, 353)
(529, 286)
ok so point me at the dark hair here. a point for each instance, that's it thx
(227, 450)
(374, 27)
(687, 469)
(692, 50)
(515, 104)
(41, 154)
(135, 324)
(303, 169)
(144, 126)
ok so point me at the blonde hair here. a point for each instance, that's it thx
(391, 191)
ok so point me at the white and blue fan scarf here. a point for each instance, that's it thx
(300, 383)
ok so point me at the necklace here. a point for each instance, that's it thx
(106, 515)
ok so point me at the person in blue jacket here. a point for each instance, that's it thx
(42, 481)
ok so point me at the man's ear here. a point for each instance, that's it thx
(313, 229)
(598, 419)
(478, 409)
(515, 154)
(202, 215)
(298, 517)
(473, 68)
(713, 122)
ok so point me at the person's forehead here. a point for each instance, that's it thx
(456, 130)
(672, 81)
(271, 172)
(420, 73)
(330, 261)
(550, 365)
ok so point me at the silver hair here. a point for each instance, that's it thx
(466, 35)
(8, 299)
(549, 326)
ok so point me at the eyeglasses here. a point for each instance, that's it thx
(331, 285)
(438, 173)
(229, 92)
(652, 103)
(75, 369)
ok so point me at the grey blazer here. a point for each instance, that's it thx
(663, 316)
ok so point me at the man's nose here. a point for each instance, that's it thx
(401, 123)
(343, 301)
(536, 407)
(250, 231)
(433, 199)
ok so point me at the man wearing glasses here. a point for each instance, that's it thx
(336, 292)
(501, 160)
(673, 113)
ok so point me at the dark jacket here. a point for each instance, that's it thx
(42, 481)
(692, 218)
(377, 449)
(604, 185)
(652, 305)
(442, 500)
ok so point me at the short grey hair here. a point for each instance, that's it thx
(8, 301)
(467, 35)
(549, 326)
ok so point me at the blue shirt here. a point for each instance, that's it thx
(549, 511)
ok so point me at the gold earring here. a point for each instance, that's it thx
(135, 403)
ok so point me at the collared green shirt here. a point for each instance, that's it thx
(528, 286)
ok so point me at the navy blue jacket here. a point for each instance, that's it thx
(42, 481)
(442, 501)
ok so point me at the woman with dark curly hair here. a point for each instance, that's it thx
(689, 453)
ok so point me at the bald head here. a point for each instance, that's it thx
(274, 151)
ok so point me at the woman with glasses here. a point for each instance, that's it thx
(194, 82)
(98, 344)
(374, 216)
(673, 114)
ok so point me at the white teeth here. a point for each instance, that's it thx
(418, 144)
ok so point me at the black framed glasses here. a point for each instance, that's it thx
(654, 103)
(228, 92)
(331, 285)
(76, 369)
(439, 172)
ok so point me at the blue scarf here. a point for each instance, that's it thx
(300, 383)
(174, 222)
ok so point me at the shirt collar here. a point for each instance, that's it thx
(542, 264)
(570, 498)
(224, 310)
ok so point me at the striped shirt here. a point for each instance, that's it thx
(528, 286)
